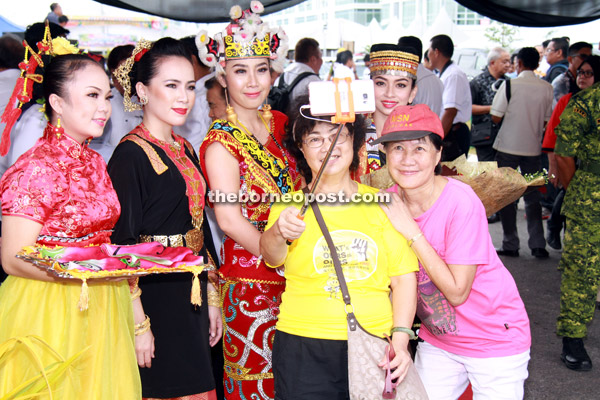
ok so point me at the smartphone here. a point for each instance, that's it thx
(322, 97)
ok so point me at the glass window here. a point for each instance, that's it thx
(433, 9)
(311, 18)
(409, 10)
(464, 16)
(299, 20)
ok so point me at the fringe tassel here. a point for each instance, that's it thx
(84, 297)
(196, 297)
(10, 120)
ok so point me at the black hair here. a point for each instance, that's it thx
(35, 33)
(343, 57)
(60, 72)
(305, 49)
(514, 55)
(63, 19)
(545, 43)
(594, 62)
(298, 127)
(575, 47)
(426, 55)
(530, 57)
(561, 44)
(211, 83)
(11, 52)
(414, 42)
(53, 6)
(444, 44)
(367, 58)
(147, 67)
(117, 55)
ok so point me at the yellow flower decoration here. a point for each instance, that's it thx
(62, 46)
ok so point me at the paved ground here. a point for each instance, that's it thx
(539, 284)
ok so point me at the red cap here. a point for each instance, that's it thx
(409, 123)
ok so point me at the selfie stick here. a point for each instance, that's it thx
(339, 118)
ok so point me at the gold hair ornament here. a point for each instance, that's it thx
(122, 73)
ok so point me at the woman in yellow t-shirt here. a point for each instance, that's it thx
(310, 347)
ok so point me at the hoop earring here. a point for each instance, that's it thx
(58, 130)
(231, 115)
(267, 114)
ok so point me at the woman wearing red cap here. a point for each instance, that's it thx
(474, 324)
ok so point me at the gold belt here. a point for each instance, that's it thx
(193, 240)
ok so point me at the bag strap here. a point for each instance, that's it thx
(508, 91)
(352, 323)
(298, 79)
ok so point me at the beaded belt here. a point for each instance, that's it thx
(193, 240)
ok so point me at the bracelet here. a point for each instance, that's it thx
(213, 298)
(414, 239)
(137, 292)
(408, 331)
(142, 327)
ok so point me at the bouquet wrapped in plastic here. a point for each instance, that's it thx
(113, 261)
(496, 187)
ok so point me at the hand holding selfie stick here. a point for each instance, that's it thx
(339, 118)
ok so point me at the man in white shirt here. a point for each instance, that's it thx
(456, 99)
(307, 60)
(430, 87)
(519, 144)
(197, 123)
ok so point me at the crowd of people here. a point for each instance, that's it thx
(128, 151)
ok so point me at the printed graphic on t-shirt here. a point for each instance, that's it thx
(434, 310)
(357, 253)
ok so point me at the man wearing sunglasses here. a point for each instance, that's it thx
(566, 82)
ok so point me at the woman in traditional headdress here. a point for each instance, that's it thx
(394, 74)
(161, 189)
(59, 194)
(244, 155)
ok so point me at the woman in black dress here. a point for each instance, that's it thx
(161, 190)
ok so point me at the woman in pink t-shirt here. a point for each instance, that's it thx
(474, 324)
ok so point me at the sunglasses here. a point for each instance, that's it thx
(389, 389)
(587, 74)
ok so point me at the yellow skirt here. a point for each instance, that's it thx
(106, 371)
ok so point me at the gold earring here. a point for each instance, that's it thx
(267, 114)
(144, 100)
(231, 115)
(58, 130)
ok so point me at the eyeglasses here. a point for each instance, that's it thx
(582, 56)
(587, 74)
(549, 50)
(317, 141)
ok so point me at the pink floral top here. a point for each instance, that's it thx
(64, 186)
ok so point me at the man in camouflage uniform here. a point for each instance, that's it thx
(579, 138)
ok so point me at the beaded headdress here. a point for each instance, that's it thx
(122, 73)
(23, 90)
(391, 59)
(247, 36)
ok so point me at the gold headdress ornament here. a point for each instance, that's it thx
(247, 36)
(122, 73)
(391, 59)
(23, 91)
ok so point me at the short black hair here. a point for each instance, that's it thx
(545, 43)
(53, 6)
(594, 62)
(414, 42)
(514, 55)
(213, 82)
(63, 19)
(305, 49)
(444, 44)
(426, 55)
(11, 52)
(343, 57)
(299, 126)
(561, 44)
(575, 47)
(367, 57)
(530, 57)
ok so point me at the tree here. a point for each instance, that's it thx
(502, 34)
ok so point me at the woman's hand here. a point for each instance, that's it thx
(399, 364)
(400, 217)
(289, 226)
(215, 330)
(144, 349)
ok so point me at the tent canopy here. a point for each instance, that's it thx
(8, 26)
(515, 12)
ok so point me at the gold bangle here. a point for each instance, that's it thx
(213, 298)
(142, 327)
(137, 292)
(414, 239)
